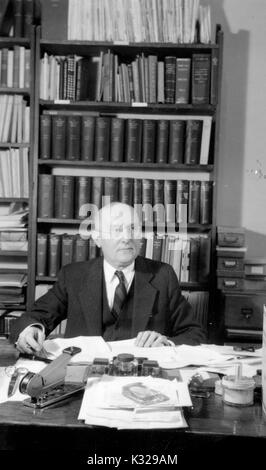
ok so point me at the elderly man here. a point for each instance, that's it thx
(118, 296)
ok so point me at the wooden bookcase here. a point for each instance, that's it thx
(124, 169)
(10, 192)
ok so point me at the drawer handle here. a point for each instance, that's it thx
(246, 312)
(230, 283)
(229, 264)
(231, 238)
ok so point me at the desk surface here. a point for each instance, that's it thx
(210, 423)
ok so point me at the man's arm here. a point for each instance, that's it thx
(49, 310)
(183, 326)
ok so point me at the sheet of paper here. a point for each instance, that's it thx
(91, 347)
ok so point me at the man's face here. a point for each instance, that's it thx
(119, 236)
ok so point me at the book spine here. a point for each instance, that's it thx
(176, 141)
(170, 79)
(28, 17)
(200, 78)
(81, 249)
(82, 195)
(194, 202)
(117, 139)
(148, 140)
(55, 19)
(102, 139)
(18, 18)
(182, 191)
(214, 76)
(158, 204)
(64, 197)
(162, 141)
(133, 140)
(169, 201)
(67, 249)
(45, 136)
(183, 70)
(111, 188)
(46, 196)
(126, 190)
(204, 258)
(137, 192)
(87, 137)
(58, 137)
(193, 259)
(206, 190)
(97, 191)
(73, 138)
(54, 261)
(41, 269)
(193, 142)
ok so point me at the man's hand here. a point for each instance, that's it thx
(30, 340)
(151, 339)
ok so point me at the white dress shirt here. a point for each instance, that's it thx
(112, 281)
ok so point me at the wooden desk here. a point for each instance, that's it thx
(214, 430)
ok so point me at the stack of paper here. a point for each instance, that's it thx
(106, 403)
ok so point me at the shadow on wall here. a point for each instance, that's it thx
(233, 120)
(256, 243)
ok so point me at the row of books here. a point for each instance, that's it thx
(188, 254)
(15, 67)
(17, 16)
(14, 173)
(116, 139)
(108, 78)
(177, 21)
(174, 201)
(14, 119)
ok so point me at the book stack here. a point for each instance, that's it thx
(12, 289)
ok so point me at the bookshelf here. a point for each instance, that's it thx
(16, 140)
(58, 105)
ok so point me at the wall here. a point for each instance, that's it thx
(242, 161)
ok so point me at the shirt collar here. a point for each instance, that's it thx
(109, 271)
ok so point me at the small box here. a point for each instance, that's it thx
(244, 310)
(230, 252)
(255, 268)
(255, 284)
(231, 236)
(230, 283)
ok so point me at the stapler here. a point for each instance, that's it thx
(49, 386)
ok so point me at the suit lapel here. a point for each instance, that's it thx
(90, 297)
(144, 297)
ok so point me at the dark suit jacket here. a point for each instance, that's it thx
(77, 296)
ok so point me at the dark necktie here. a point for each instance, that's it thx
(120, 294)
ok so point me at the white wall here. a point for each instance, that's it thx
(242, 161)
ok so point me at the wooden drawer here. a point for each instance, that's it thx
(230, 283)
(231, 236)
(230, 264)
(244, 310)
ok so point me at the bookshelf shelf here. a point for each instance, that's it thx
(9, 41)
(14, 199)
(113, 107)
(17, 91)
(125, 165)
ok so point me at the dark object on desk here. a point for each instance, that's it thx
(200, 387)
(244, 348)
(34, 357)
(124, 364)
(48, 386)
